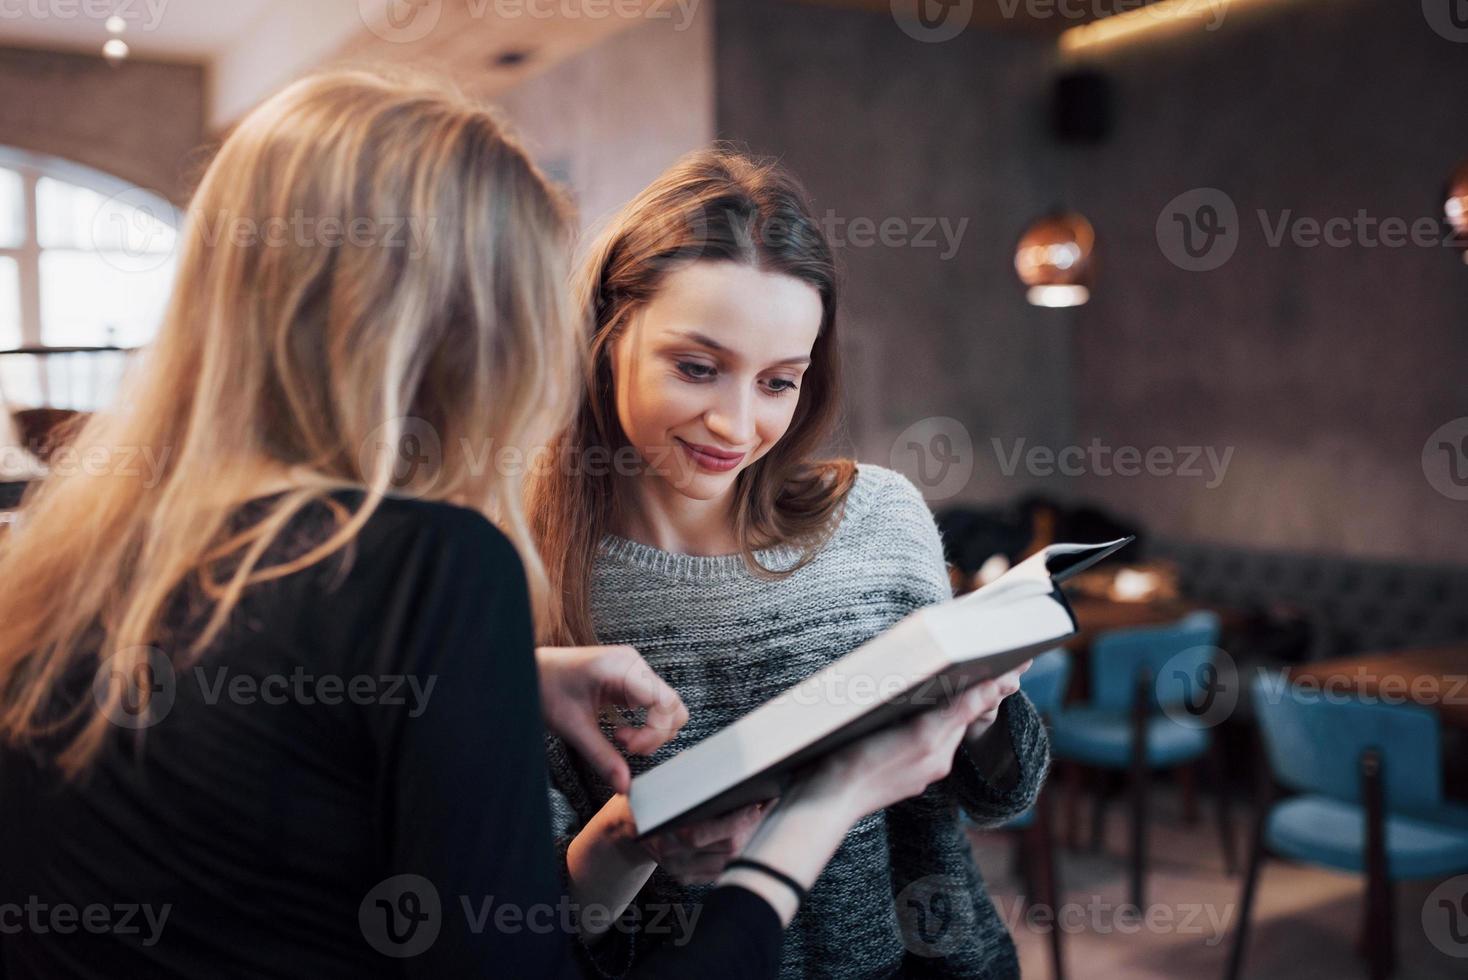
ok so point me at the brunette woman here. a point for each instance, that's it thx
(738, 563)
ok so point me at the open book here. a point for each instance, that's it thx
(922, 662)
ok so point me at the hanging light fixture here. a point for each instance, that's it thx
(1054, 260)
(1456, 207)
(115, 49)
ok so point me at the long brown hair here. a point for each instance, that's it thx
(716, 205)
(433, 305)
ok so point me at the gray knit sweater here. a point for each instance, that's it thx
(901, 896)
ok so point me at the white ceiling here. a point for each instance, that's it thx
(252, 47)
(179, 29)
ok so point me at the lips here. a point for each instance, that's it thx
(710, 458)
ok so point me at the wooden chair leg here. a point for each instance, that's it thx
(1073, 805)
(1141, 777)
(1025, 861)
(1251, 883)
(1380, 944)
(1187, 778)
(1044, 854)
(1101, 780)
(1218, 782)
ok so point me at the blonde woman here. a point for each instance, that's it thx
(277, 715)
(738, 563)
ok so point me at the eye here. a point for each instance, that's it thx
(696, 370)
(778, 386)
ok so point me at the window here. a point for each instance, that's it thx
(86, 260)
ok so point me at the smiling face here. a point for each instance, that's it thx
(708, 373)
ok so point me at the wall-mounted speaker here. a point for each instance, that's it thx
(1083, 107)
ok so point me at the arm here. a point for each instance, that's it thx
(810, 821)
(737, 933)
(462, 792)
(998, 775)
(463, 798)
(603, 862)
(1001, 765)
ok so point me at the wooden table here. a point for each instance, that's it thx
(1436, 677)
(1097, 615)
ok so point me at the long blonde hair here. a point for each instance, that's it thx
(368, 260)
(714, 205)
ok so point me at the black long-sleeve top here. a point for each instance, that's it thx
(350, 782)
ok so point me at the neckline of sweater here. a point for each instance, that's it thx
(715, 568)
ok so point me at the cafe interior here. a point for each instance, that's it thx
(1194, 271)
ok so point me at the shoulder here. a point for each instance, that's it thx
(404, 538)
(883, 496)
(888, 529)
(461, 529)
(458, 542)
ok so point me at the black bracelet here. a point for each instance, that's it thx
(800, 893)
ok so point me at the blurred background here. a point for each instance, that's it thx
(1190, 269)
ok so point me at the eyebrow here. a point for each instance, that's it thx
(713, 344)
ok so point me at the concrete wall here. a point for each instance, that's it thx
(884, 128)
(609, 120)
(1322, 370)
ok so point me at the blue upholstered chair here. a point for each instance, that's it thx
(1044, 684)
(1366, 785)
(1145, 685)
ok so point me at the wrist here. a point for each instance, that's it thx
(609, 841)
(838, 794)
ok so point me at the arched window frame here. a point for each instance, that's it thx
(32, 167)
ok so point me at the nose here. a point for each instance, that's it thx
(731, 418)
